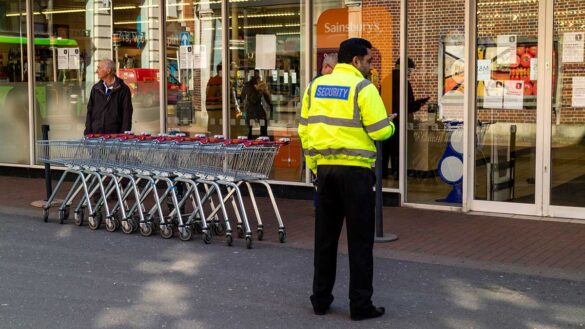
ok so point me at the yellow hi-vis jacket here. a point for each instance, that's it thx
(341, 117)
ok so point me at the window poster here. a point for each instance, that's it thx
(506, 49)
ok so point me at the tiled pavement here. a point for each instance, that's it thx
(540, 247)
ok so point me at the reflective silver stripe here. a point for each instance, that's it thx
(356, 110)
(309, 92)
(378, 125)
(303, 121)
(334, 121)
(341, 151)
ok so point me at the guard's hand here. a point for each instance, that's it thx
(392, 116)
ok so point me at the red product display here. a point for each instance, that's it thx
(525, 60)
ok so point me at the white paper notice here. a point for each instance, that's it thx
(506, 49)
(285, 77)
(513, 94)
(63, 58)
(534, 69)
(493, 94)
(573, 47)
(265, 51)
(484, 69)
(185, 57)
(199, 57)
(578, 99)
(73, 58)
(274, 75)
(293, 77)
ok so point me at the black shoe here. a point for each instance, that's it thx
(320, 310)
(371, 313)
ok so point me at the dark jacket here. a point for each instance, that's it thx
(109, 114)
(252, 100)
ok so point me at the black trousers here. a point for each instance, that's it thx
(344, 192)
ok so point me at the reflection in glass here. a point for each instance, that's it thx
(265, 74)
(14, 126)
(507, 48)
(194, 68)
(71, 37)
(435, 107)
(568, 120)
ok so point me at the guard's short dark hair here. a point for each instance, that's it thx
(350, 48)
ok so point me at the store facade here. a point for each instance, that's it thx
(510, 142)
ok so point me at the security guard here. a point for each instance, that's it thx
(342, 115)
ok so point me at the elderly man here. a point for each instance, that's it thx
(109, 110)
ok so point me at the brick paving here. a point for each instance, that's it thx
(550, 248)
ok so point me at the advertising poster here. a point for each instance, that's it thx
(73, 58)
(63, 58)
(514, 94)
(573, 47)
(506, 49)
(493, 94)
(199, 57)
(265, 51)
(185, 57)
(578, 99)
(484, 69)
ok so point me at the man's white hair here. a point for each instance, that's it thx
(109, 64)
(330, 59)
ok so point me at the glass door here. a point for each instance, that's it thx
(507, 162)
(566, 110)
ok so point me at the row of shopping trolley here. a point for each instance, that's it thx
(142, 183)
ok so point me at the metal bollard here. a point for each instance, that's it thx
(380, 237)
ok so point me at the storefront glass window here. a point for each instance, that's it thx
(435, 108)
(194, 67)
(14, 112)
(266, 72)
(378, 22)
(505, 144)
(71, 38)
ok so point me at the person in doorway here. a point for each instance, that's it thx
(213, 101)
(341, 151)
(109, 109)
(255, 98)
(390, 147)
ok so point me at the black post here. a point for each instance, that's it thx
(379, 201)
(48, 182)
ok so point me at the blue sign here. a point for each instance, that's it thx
(335, 92)
(184, 38)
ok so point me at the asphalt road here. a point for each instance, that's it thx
(64, 276)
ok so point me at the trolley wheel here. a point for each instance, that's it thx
(112, 224)
(94, 221)
(219, 228)
(249, 242)
(260, 234)
(240, 230)
(63, 215)
(207, 237)
(146, 229)
(185, 233)
(229, 239)
(166, 231)
(45, 215)
(127, 226)
(79, 216)
(281, 236)
(196, 226)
